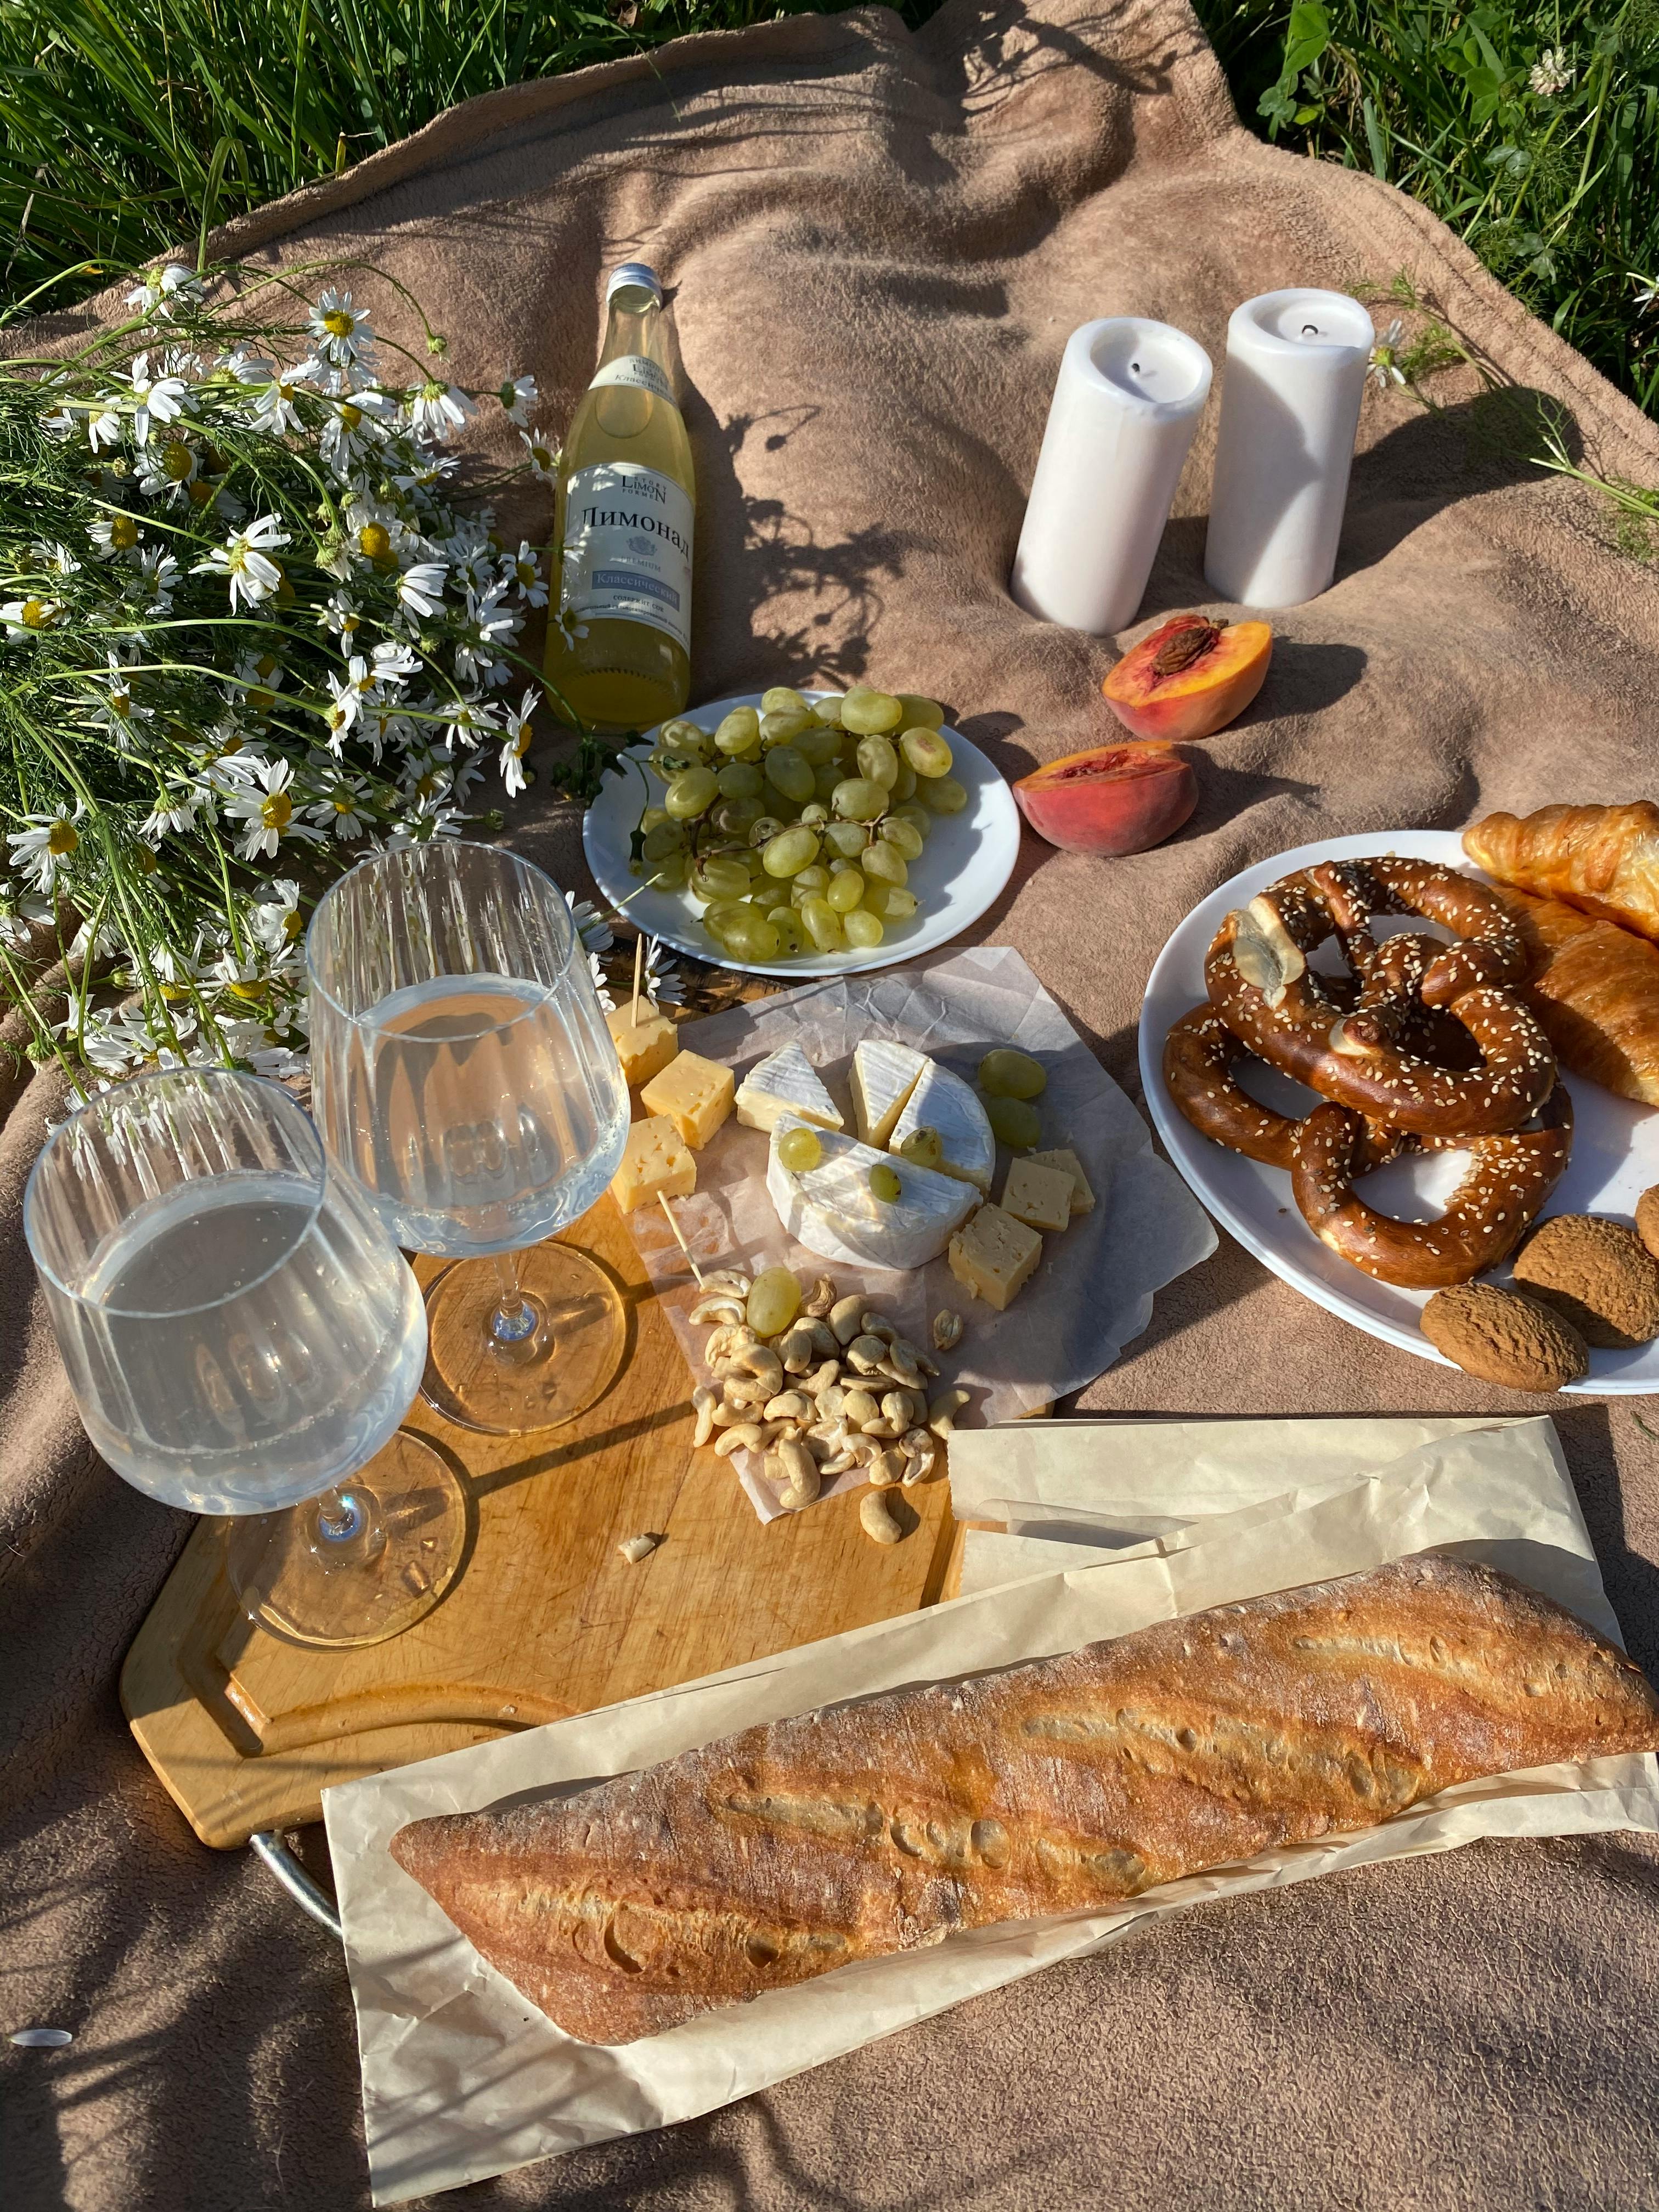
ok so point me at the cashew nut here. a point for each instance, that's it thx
(800, 1471)
(896, 1406)
(947, 1330)
(899, 1368)
(865, 1354)
(635, 1548)
(796, 1349)
(920, 1456)
(877, 1324)
(821, 1378)
(886, 1468)
(743, 1436)
(876, 1518)
(727, 1417)
(745, 1390)
(942, 1409)
(859, 1409)
(826, 1342)
(729, 1278)
(725, 1342)
(790, 1405)
(831, 1402)
(704, 1402)
(819, 1299)
(717, 1307)
(759, 1360)
(847, 1319)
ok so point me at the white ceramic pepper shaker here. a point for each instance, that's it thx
(1290, 391)
(1126, 404)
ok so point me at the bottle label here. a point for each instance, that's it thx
(627, 550)
(637, 371)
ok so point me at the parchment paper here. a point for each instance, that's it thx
(462, 2078)
(1093, 1290)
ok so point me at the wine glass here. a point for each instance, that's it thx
(463, 1075)
(240, 1334)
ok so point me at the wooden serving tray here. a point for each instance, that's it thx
(247, 1730)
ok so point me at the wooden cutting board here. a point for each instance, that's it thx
(247, 1730)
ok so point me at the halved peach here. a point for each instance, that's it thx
(1112, 798)
(1190, 677)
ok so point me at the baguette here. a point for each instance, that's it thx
(770, 1857)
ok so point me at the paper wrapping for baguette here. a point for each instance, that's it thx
(1603, 859)
(1594, 990)
(778, 1854)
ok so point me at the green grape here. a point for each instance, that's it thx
(884, 861)
(774, 1301)
(779, 729)
(719, 917)
(825, 779)
(867, 710)
(740, 732)
(800, 1150)
(683, 735)
(813, 878)
(863, 928)
(652, 816)
(662, 839)
(670, 873)
(884, 1183)
(920, 712)
(736, 817)
(904, 837)
(779, 699)
(906, 786)
(846, 891)
(788, 853)
(828, 711)
(749, 861)
(878, 762)
(792, 938)
(845, 839)
(1005, 1073)
(788, 772)
(896, 905)
(717, 879)
(761, 833)
(917, 816)
(691, 795)
(815, 814)
(945, 795)
(740, 780)
(924, 1147)
(824, 925)
(817, 744)
(1014, 1122)
(859, 799)
(928, 753)
(750, 936)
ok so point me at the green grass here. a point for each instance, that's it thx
(122, 119)
(1554, 184)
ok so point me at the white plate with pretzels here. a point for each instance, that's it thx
(1277, 971)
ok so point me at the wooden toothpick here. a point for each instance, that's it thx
(662, 1200)
(639, 969)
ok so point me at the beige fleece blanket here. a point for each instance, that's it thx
(878, 243)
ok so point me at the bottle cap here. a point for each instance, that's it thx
(634, 273)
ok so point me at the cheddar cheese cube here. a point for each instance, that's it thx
(1083, 1198)
(994, 1256)
(644, 1047)
(655, 1163)
(1040, 1197)
(694, 1093)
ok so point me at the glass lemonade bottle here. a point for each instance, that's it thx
(619, 640)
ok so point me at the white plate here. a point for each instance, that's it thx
(967, 860)
(1615, 1145)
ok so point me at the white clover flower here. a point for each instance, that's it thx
(420, 587)
(44, 847)
(593, 930)
(1551, 74)
(661, 981)
(264, 810)
(245, 561)
(29, 618)
(518, 395)
(436, 409)
(522, 569)
(544, 457)
(159, 398)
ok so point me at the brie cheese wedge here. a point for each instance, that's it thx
(944, 1101)
(832, 1210)
(785, 1082)
(883, 1076)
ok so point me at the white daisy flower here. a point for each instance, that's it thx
(113, 534)
(19, 919)
(342, 812)
(523, 569)
(29, 618)
(341, 615)
(42, 849)
(1385, 368)
(518, 395)
(166, 470)
(155, 579)
(178, 803)
(436, 409)
(515, 743)
(344, 332)
(95, 1038)
(264, 810)
(346, 703)
(245, 561)
(103, 426)
(594, 931)
(469, 723)
(276, 921)
(420, 587)
(170, 285)
(394, 663)
(273, 409)
(544, 457)
(349, 432)
(117, 710)
(601, 983)
(661, 980)
(54, 559)
(159, 398)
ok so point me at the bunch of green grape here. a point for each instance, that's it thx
(794, 825)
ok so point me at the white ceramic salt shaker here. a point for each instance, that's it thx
(1290, 391)
(1126, 404)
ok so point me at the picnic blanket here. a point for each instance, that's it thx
(877, 244)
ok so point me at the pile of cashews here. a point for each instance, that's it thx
(837, 1388)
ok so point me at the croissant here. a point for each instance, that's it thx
(1603, 859)
(1593, 989)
